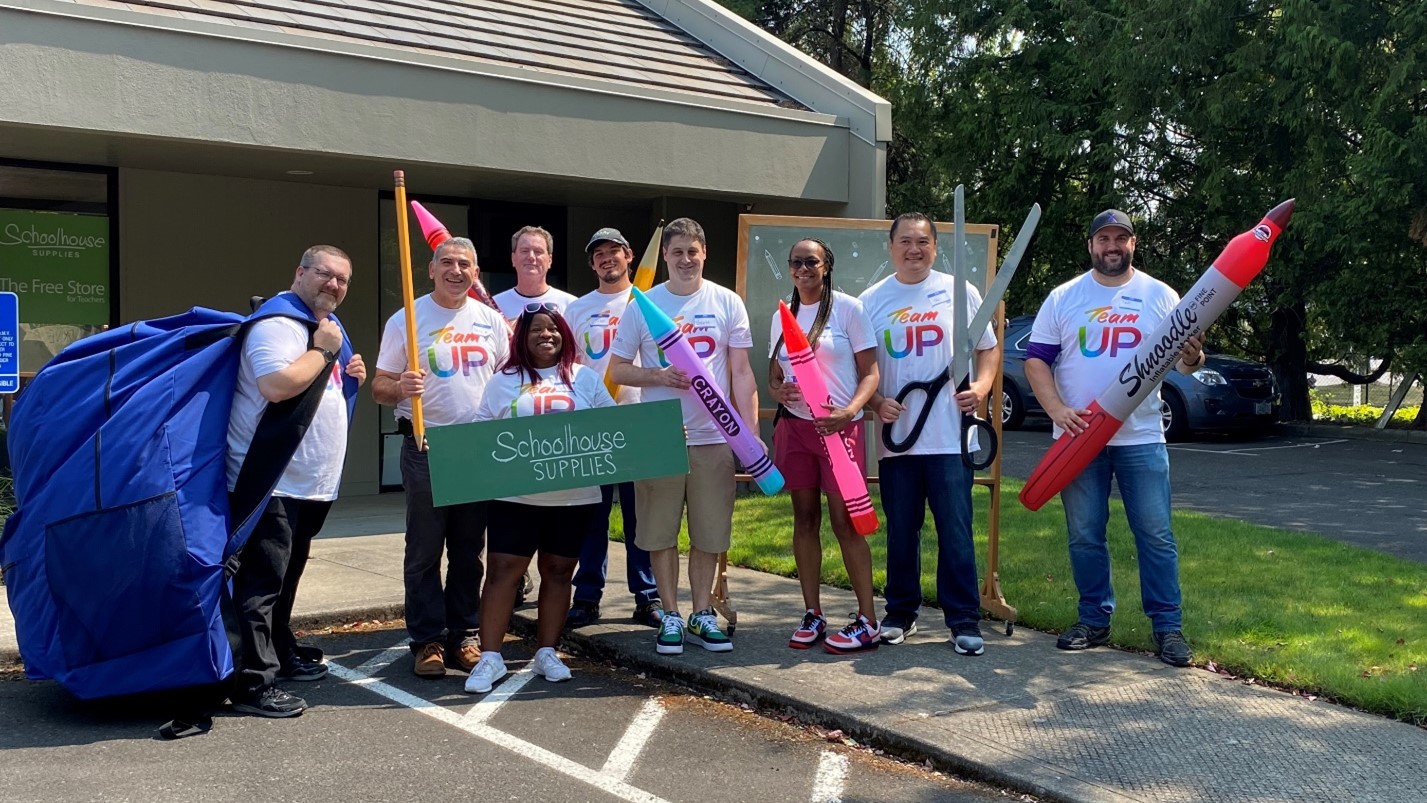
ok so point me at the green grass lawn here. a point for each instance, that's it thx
(1290, 609)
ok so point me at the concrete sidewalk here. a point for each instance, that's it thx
(1100, 725)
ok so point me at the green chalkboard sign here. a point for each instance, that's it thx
(861, 259)
(516, 456)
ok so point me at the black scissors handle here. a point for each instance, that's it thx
(973, 425)
(931, 388)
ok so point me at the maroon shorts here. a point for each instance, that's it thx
(798, 453)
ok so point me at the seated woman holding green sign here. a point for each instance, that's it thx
(540, 377)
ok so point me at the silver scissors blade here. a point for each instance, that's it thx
(997, 290)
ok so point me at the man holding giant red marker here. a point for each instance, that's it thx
(1081, 338)
(713, 320)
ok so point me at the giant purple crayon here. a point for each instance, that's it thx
(744, 442)
(1241, 260)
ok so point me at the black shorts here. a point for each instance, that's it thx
(515, 528)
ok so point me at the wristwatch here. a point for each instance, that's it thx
(329, 356)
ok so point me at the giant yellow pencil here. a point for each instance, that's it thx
(403, 246)
(643, 279)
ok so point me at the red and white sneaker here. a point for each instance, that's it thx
(813, 628)
(859, 635)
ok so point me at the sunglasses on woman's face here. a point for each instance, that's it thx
(542, 306)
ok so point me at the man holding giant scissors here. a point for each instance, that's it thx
(920, 464)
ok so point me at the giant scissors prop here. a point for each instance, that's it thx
(972, 425)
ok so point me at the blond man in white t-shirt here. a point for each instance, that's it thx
(460, 343)
(715, 323)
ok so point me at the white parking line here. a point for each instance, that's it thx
(381, 660)
(832, 775)
(604, 781)
(490, 703)
(621, 759)
(1253, 450)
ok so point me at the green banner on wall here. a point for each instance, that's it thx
(58, 264)
(516, 456)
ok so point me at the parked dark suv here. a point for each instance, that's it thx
(1228, 393)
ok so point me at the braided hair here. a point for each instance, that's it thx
(824, 304)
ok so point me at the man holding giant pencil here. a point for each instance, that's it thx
(460, 343)
(713, 320)
(1079, 343)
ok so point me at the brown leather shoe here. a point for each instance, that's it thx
(466, 656)
(431, 661)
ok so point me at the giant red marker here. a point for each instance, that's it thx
(435, 234)
(850, 482)
(702, 386)
(1241, 260)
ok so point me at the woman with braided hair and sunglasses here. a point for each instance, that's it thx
(541, 377)
(841, 337)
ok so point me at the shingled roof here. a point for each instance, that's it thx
(619, 41)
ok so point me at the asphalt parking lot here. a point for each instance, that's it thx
(376, 732)
(1368, 493)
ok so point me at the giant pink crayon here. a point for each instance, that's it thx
(745, 443)
(1242, 259)
(850, 482)
(435, 234)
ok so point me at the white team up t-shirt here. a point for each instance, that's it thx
(847, 332)
(912, 325)
(458, 348)
(510, 395)
(512, 303)
(1097, 329)
(271, 345)
(594, 318)
(713, 321)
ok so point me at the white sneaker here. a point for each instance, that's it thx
(487, 671)
(549, 666)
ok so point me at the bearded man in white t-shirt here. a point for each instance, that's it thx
(913, 325)
(281, 359)
(532, 252)
(460, 343)
(715, 323)
(1084, 333)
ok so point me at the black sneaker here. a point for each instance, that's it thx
(270, 701)
(1081, 636)
(896, 628)
(649, 614)
(295, 668)
(1172, 648)
(966, 639)
(309, 653)
(523, 592)
(582, 612)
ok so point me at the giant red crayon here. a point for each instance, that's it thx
(1242, 259)
(435, 234)
(850, 482)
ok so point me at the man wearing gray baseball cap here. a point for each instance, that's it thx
(594, 319)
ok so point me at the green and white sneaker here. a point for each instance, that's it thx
(705, 632)
(670, 640)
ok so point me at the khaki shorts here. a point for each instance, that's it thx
(708, 489)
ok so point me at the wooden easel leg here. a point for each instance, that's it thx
(721, 602)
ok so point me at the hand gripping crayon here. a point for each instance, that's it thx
(435, 234)
(745, 443)
(1241, 260)
(850, 482)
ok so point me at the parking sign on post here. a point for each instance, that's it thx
(9, 343)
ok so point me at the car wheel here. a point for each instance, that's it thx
(1013, 410)
(1173, 418)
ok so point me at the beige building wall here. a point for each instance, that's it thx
(213, 241)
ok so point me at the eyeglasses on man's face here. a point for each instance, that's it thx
(323, 275)
(810, 264)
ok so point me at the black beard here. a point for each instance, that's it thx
(1105, 270)
(613, 279)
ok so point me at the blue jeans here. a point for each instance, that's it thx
(909, 484)
(594, 557)
(1142, 472)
